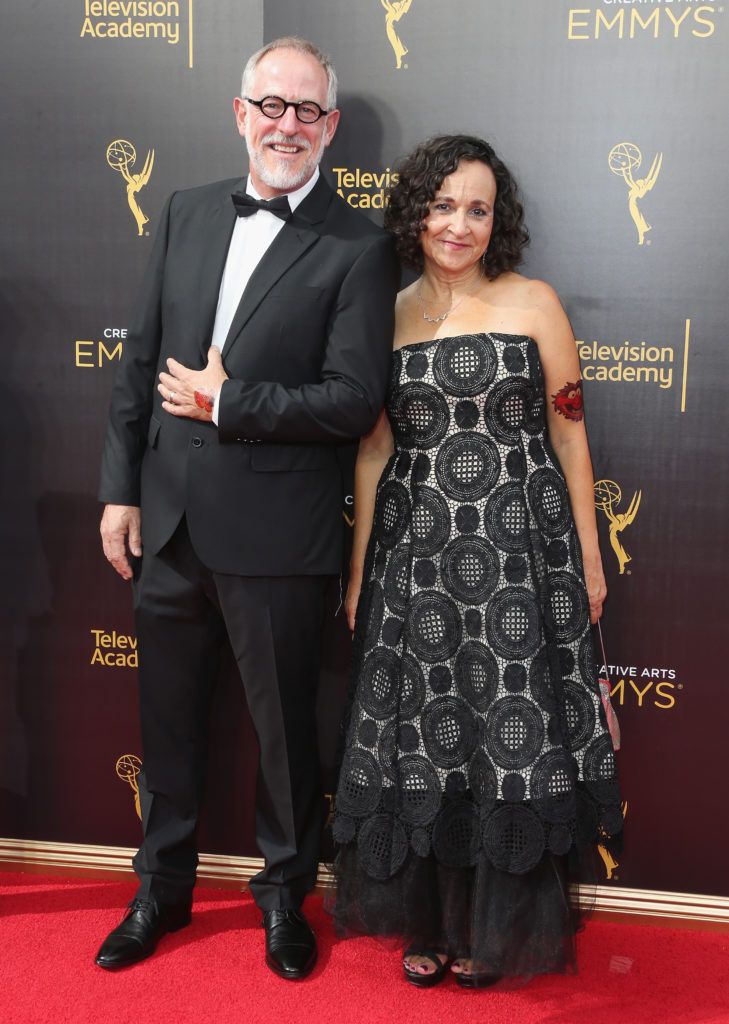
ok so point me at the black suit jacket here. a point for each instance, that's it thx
(308, 355)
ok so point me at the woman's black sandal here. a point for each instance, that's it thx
(475, 980)
(425, 980)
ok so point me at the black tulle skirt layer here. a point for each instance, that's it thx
(510, 925)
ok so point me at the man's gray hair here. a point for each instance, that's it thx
(300, 46)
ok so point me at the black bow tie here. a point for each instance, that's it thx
(246, 206)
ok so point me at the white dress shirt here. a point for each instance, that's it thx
(251, 238)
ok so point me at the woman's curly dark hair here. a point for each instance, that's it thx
(423, 172)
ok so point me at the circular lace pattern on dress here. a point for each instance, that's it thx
(344, 829)
(513, 787)
(515, 730)
(467, 466)
(587, 661)
(420, 791)
(382, 845)
(360, 783)
(412, 688)
(580, 712)
(433, 627)
(513, 839)
(420, 414)
(375, 615)
(540, 682)
(387, 751)
(449, 731)
(506, 519)
(402, 465)
(455, 834)
(440, 679)
(515, 678)
(557, 554)
(473, 621)
(552, 787)
(576, 554)
(465, 365)
(513, 359)
(391, 632)
(467, 519)
(396, 581)
(539, 558)
(469, 568)
(421, 468)
(560, 840)
(567, 611)
(516, 464)
(512, 623)
(506, 409)
(549, 502)
(536, 452)
(431, 521)
(392, 514)
(417, 365)
(467, 415)
(380, 682)
(598, 769)
(482, 780)
(477, 674)
(367, 733)
(566, 661)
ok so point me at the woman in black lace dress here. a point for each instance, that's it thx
(478, 769)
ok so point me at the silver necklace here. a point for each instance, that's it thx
(444, 316)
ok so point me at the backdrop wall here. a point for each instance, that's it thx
(611, 116)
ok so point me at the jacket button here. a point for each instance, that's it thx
(197, 442)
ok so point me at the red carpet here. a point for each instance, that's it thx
(213, 971)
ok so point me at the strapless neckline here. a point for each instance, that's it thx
(471, 334)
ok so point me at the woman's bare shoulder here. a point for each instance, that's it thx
(529, 293)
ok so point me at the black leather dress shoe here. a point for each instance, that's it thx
(137, 936)
(290, 943)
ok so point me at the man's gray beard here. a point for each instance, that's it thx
(284, 178)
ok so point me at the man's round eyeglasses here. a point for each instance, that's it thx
(274, 107)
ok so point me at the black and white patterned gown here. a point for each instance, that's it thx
(477, 762)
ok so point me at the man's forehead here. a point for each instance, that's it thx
(300, 73)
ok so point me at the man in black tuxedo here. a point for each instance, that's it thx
(261, 342)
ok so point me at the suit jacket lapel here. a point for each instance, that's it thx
(298, 234)
(214, 252)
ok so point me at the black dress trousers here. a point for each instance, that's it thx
(183, 612)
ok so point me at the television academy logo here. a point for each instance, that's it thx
(394, 11)
(623, 159)
(121, 156)
(138, 22)
(607, 497)
(128, 767)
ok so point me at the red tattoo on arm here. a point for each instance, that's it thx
(568, 401)
(203, 401)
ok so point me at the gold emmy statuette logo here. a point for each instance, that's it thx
(396, 9)
(120, 156)
(607, 858)
(128, 768)
(623, 160)
(607, 496)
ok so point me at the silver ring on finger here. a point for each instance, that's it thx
(171, 397)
